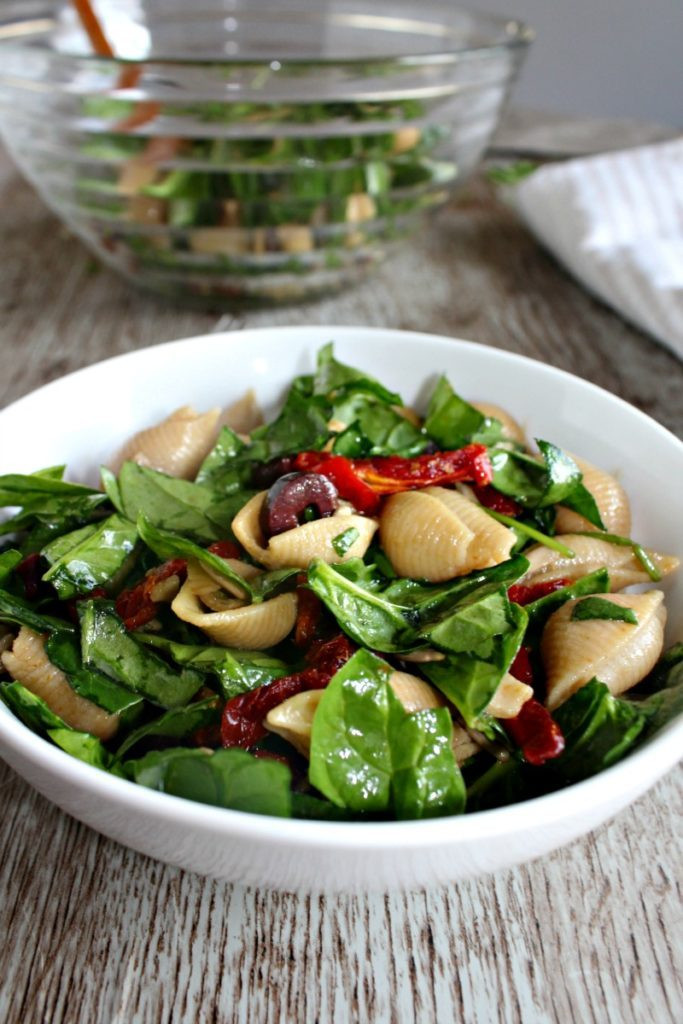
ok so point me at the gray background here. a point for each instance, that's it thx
(611, 58)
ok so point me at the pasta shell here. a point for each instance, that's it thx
(28, 663)
(415, 694)
(509, 698)
(619, 654)
(293, 719)
(462, 744)
(610, 497)
(297, 548)
(436, 534)
(176, 446)
(591, 553)
(242, 416)
(248, 626)
(511, 428)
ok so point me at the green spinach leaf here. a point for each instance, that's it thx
(90, 557)
(63, 650)
(169, 503)
(22, 613)
(453, 422)
(178, 724)
(599, 608)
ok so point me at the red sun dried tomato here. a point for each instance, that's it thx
(536, 734)
(363, 481)
(242, 721)
(225, 549)
(135, 605)
(308, 615)
(31, 570)
(521, 667)
(520, 593)
(489, 497)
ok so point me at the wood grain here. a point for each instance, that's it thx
(97, 933)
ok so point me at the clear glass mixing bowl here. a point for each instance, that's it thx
(251, 150)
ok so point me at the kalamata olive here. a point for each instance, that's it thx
(266, 473)
(290, 496)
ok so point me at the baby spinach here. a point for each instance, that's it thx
(89, 557)
(177, 724)
(227, 778)
(47, 500)
(334, 379)
(227, 467)
(539, 611)
(63, 650)
(452, 422)
(377, 429)
(300, 426)
(169, 503)
(29, 708)
(665, 688)
(236, 670)
(86, 748)
(598, 729)
(369, 755)
(9, 560)
(538, 483)
(22, 613)
(599, 608)
(625, 542)
(108, 647)
(344, 540)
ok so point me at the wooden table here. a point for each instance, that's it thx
(96, 933)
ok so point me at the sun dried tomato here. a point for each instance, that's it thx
(521, 667)
(242, 721)
(391, 473)
(308, 615)
(363, 481)
(135, 605)
(225, 549)
(489, 497)
(536, 733)
(31, 570)
(520, 593)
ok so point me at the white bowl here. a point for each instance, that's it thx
(82, 418)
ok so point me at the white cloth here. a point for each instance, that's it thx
(616, 223)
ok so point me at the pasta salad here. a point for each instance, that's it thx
(353, 612)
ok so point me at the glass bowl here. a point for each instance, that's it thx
(252, 150)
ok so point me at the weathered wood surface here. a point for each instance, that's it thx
(95, 933)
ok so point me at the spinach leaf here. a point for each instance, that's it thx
(665, 684)
(378, 430)
(314, 808)
(369, 755)
(225, 468)
(539, 611)
(227, 778)
(468, 679)
(44, 498)
(598, 729)
(108, 647)
(22, 613)
(453, 422)
(300, 426)
(89, 557)
(26, 490)
(9, 560)
(110, 487)
(30, 709)
(85, 747)
(178, 723)
(344, 540)
(63, 650)
(599, 608)
(169, 503)
(362, 613)
(332, 377)
(553, 479)
(236, 670)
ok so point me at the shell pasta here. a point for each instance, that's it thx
(356, 611)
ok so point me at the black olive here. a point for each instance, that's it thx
(289, 498)
(266, 473)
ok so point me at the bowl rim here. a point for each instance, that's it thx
(649, 762)
(515, 34)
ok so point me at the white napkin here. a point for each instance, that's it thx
(616, 222)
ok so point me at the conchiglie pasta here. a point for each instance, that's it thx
(233, 624)
(436, 534)
(176, 446)
(618, 653)
(509, 698)
(591, 553)
(293, 719)
(298, 547)
(610, 497)
(29, 665)
(242, 416)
